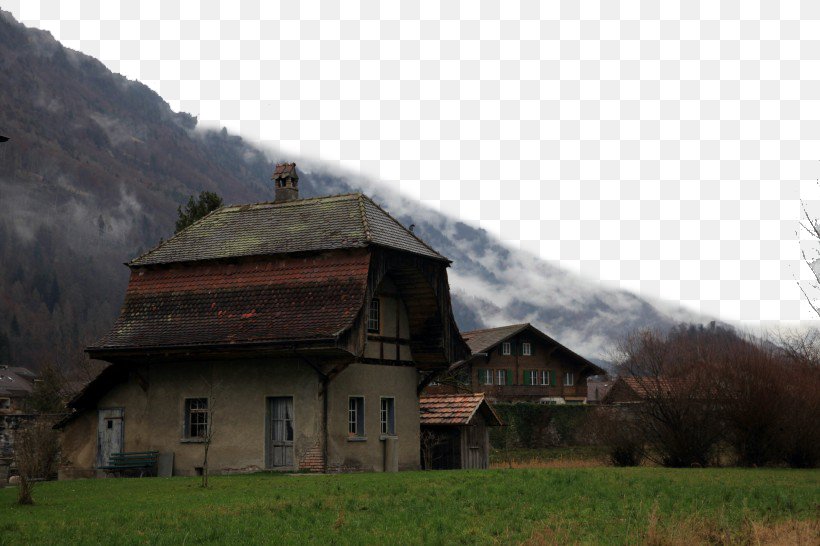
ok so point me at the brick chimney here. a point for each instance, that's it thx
(286, 181)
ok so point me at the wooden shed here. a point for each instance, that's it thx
(454, 431)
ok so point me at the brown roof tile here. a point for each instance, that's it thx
(212, 303)
(454, 409)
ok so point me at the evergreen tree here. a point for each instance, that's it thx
(196, 209)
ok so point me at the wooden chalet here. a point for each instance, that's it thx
(291, 335)
(454, 431)
(520, 363)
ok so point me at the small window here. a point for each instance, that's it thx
(196, 418)
(526, 349)
(569, 379)
(5, 403)
(387, 416)
(373, 324)
(501, 377)
(506, 348)
(485, 377)
(355, 417)
(545, 377)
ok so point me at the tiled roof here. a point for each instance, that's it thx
(322, 223)
(455, 409)
(211, 303)
(482, 340)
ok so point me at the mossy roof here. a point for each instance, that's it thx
(302, 225)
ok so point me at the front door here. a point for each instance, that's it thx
(109, 435)
(280, 432)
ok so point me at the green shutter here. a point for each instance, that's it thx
(552, 379)
(509, 377)
(481, 376)
(526, 377)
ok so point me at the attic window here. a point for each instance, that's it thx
(506, 348)
(373, 316)
(526, 349)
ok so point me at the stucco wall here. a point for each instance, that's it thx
(154, 417)
(373, 382)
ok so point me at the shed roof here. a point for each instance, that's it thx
(455, 409)
(303, 225)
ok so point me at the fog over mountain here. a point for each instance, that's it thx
(97, 165)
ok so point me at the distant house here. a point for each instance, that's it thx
(294, 335)
(520, 363)
(454, 431)
(631, 390)
(16, 386)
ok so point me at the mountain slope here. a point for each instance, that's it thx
(98, 164)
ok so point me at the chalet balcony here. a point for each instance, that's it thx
(531, 391)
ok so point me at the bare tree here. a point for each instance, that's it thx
(810, 226)
(35, 453)
(208, 436)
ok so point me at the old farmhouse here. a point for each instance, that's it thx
(520, 363)
(292, 335)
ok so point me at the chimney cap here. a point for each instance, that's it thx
(284, 170)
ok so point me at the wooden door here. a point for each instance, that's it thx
(109, 434)
(280, 432)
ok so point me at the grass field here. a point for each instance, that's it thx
(538, 506)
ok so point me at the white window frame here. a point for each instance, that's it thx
(545, 378)
(374, 317)
(355, 417)
(202, 418)
(569, 379)
(488, 376)
(526, 349)
(501, 377)
(506, 348)
(387, 416)
(533, 377)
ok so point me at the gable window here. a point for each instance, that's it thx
(506, 348)
(569, 379)
(196, 418)
(387, 416)
(373, 325)
(501, 377)
(526, 348)
(355, 417)
(485, 377)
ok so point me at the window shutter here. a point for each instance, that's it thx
(552, 379)
(482, 379)
(526, 377)
(509, 377)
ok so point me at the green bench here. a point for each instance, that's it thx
(127, 461)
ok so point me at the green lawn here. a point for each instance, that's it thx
(543, 506)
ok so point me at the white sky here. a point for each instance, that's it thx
(658, 147)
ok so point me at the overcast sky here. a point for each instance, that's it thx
(655, 146)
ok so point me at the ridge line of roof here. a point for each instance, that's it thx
(481, 330)
(413, 235)
(293, 203)
(365, 225)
